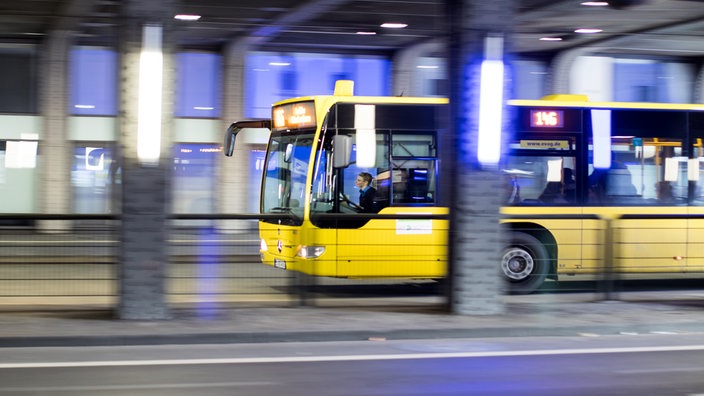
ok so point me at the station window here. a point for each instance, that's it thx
(256, 167)
(642, 80)
(18, 175)
(93, 74)
(18, 81)
(193, 177)
(198, 80)
(94, 174)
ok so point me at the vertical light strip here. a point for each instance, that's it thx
(693, 169)
(672, 168)
(601, 138)
(150, 85)
(365, 136)
(491, 96)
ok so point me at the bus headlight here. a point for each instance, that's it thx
(262, 245)
(310, 251)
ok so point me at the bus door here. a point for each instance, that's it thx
(401, 247)
(402, 163)
(403, 181)
(544, 187)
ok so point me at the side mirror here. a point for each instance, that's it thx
(342, 151)
(230, 135)
(235, 128)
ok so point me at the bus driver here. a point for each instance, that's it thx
(367, 193)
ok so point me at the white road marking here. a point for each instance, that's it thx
(338, 358)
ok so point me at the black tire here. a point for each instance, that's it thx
(524, 263)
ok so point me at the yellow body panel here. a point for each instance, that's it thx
(639, 245)
(382, 248)
(695, 241)
(395, 247)
(418, 248)
(292, 238)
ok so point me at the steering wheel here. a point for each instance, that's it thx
(346, 202)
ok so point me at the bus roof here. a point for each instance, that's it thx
(367, 99)
(516, 102)
(574, 101)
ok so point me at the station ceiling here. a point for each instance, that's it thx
(636, 27)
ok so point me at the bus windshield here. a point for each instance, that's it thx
(284, 182)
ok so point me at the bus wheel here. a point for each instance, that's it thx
(524, 263)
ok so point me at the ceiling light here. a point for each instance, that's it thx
(367, 33)
(187, 17)
(595, 3)
(551, 39)
(427, 67)
(393, 25)
(588, 30)
(279, 63)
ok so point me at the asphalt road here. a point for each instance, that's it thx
(615, 365)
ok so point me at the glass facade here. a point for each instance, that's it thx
(256, 168)
(639, 80)
(198, 85)
(18, 164)
(94, 173)
(193, 178)
(93, 81)
(271, 77)
(18, 81)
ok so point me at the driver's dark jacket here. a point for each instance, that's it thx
(366, 200)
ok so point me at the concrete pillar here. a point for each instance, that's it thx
(698, 94)
(404, 67)
(475, 233)
(561, 68)
(234, 171)
(55, 190)
(146, 190)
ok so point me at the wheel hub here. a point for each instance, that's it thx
(517, 264)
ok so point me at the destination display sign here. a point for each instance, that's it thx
(547, 118)
(293, 116)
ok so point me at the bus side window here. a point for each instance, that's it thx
(413, 186)
(417, 187)
(399, 180)
(382, 183)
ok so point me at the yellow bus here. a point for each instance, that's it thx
(573, 169)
